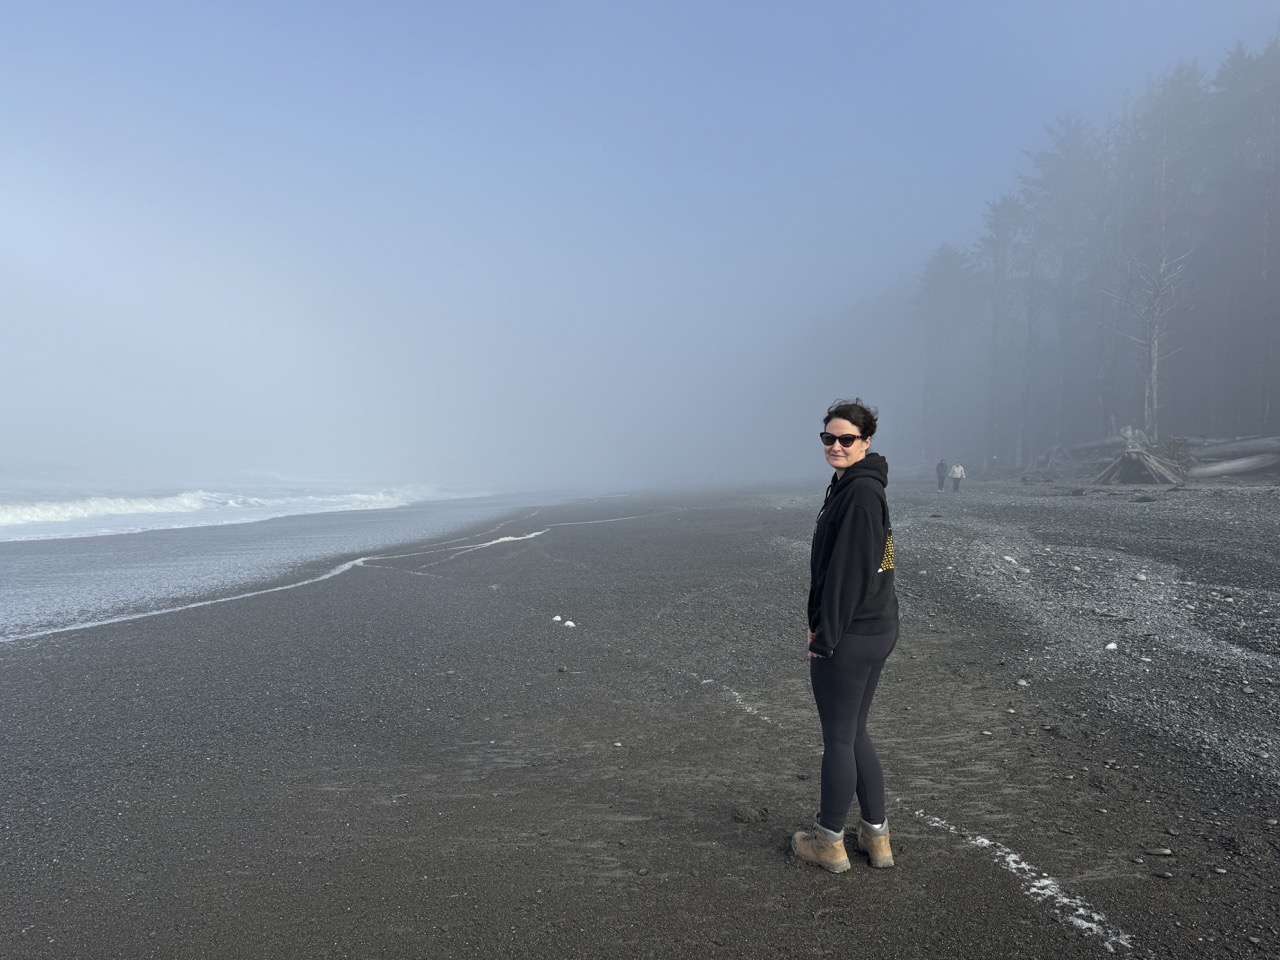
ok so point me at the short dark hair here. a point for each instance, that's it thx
(856, 412)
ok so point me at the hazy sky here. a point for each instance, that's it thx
(519, 243)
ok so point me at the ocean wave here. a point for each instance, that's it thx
(97, 515)
(55, 511)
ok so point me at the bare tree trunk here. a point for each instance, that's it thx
(1155, 296)
(1271, 304)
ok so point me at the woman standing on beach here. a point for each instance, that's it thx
(853, 626)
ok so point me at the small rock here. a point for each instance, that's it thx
(556, 619)
(1271, 821)
(644, 872)
(1138, 860)
(986, 733)
(1172, 832)
(570, 623)
(1249, 690)
(1111, 646)
(802, 776)
(1219, 870)
(1075, 570)
(1140, 577)
(1011, 710)
(1158, 852)
(562, 669)
(1024, 683)
(1165, 875)
(617, 743)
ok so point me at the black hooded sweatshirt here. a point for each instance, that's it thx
(851, 566)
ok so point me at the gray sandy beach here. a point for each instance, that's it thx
(415, 758)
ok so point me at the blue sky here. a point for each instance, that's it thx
(367, 239)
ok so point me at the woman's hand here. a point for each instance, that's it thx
(808, 640)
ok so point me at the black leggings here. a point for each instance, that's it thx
(843, 685)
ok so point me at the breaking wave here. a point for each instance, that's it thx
(22, 519)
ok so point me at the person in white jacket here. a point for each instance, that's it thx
(957, 474)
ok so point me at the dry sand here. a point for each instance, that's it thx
(414, 759)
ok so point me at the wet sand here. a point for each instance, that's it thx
(414, 759)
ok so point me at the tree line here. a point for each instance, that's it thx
(1130, 278)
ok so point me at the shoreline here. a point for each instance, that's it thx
(214, 563)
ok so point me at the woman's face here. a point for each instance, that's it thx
(838, 455)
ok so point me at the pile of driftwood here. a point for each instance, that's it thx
(1142, 466)
(1131, 458)
(1138, 463)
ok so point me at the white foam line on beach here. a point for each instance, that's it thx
(738, 699)
(580, 523)
(493, 543)
(124, 618)
(444, 545)
(459, 551)
(754, 711)
(1042, 888)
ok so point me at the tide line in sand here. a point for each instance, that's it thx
(1043, 888)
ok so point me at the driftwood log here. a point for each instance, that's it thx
(1228, 468)
(1233, 449)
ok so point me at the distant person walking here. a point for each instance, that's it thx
(853, 627)
(957, 474)
(941, 471)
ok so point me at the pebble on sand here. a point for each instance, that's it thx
(556, 618)
(1158, 852)
(1112, 646)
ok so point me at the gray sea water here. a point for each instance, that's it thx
(51, 585)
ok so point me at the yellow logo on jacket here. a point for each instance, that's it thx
(887, 562)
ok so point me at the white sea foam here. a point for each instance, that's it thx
(1041, 887)
(34, 518)
(54, 511)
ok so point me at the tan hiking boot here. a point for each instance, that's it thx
(822, 848)
(875, 842)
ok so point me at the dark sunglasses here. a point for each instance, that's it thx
(846, 439)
